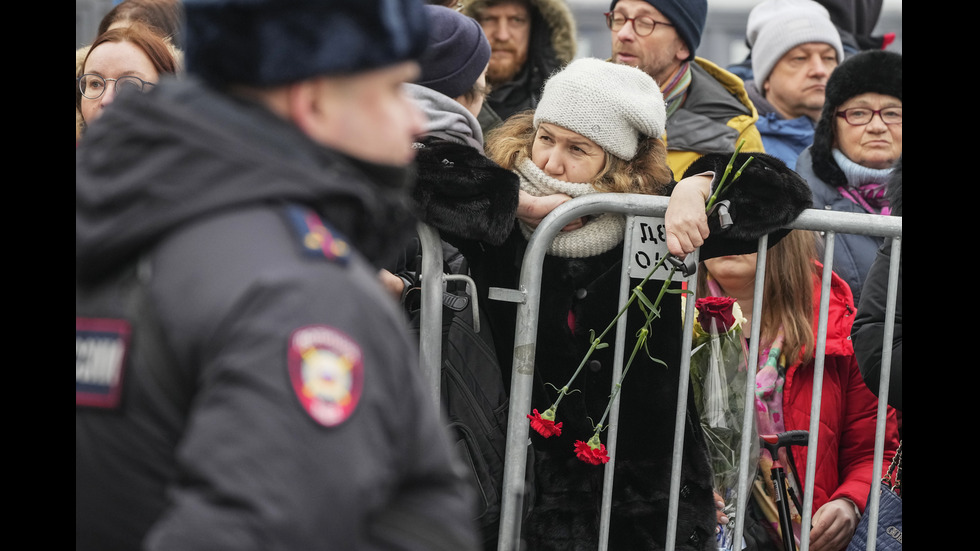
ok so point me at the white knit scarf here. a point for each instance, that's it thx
(600, 234)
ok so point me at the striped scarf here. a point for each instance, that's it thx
(676, 90)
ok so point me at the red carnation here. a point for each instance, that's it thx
(715, 313)
(545, 424)
(593, 451)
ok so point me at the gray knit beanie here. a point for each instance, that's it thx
(611, 104)
(777, 26)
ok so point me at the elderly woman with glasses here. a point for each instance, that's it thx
(857, 141)
(131, 58)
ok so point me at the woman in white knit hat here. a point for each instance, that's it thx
(598, 128)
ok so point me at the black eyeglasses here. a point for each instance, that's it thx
(642, 25)
(860, 116)
(93, 86)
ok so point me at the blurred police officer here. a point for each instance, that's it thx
(242, 381)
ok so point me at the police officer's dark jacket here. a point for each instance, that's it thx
(242, 382)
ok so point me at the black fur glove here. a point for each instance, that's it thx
(463, 194)
(767, 196)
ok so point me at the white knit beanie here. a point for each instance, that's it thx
(613, 105)
(777, 26)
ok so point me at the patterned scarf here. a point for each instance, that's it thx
(769, 381)
(865, 186)
(599, 234)
(676, 90)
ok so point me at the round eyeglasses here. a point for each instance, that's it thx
(860, 116)
(642, 25)
(93, 86)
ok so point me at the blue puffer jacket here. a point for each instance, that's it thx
(783, 138)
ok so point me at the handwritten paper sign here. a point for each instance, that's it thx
(648, 238)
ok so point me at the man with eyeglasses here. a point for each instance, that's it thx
(795, 48)
(529, 40)
(708, 110)
(242, 379)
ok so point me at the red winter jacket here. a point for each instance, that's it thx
(848, 410)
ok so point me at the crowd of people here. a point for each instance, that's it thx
(249, 180)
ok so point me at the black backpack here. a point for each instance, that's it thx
(473, 395)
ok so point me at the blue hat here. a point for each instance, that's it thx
(457, 52)
(272, 42)
(687, 16)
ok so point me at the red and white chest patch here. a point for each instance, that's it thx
(326, 369)
(100, 359)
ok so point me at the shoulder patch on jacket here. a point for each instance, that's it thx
(326, 369)
(316, 237)
(100, 358)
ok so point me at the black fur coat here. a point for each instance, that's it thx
(462, 193)
(579, 295)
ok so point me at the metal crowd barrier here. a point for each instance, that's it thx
(430, 330)
(638, 208)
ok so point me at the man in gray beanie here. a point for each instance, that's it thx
(708, 110)
(796, 47)
(855, 21)
(242, 379)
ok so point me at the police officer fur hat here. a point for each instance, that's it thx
(876, 71)
(273, 42)
(687, 16)
(457, 52)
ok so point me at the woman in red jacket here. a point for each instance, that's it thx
(784, 386)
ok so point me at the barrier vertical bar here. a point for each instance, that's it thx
(613, 424)
(746, 470)
(522, 377)
(430, 330)
(681, 413)
(891, 299)
(818, 365)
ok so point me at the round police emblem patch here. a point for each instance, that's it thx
(327, 372)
